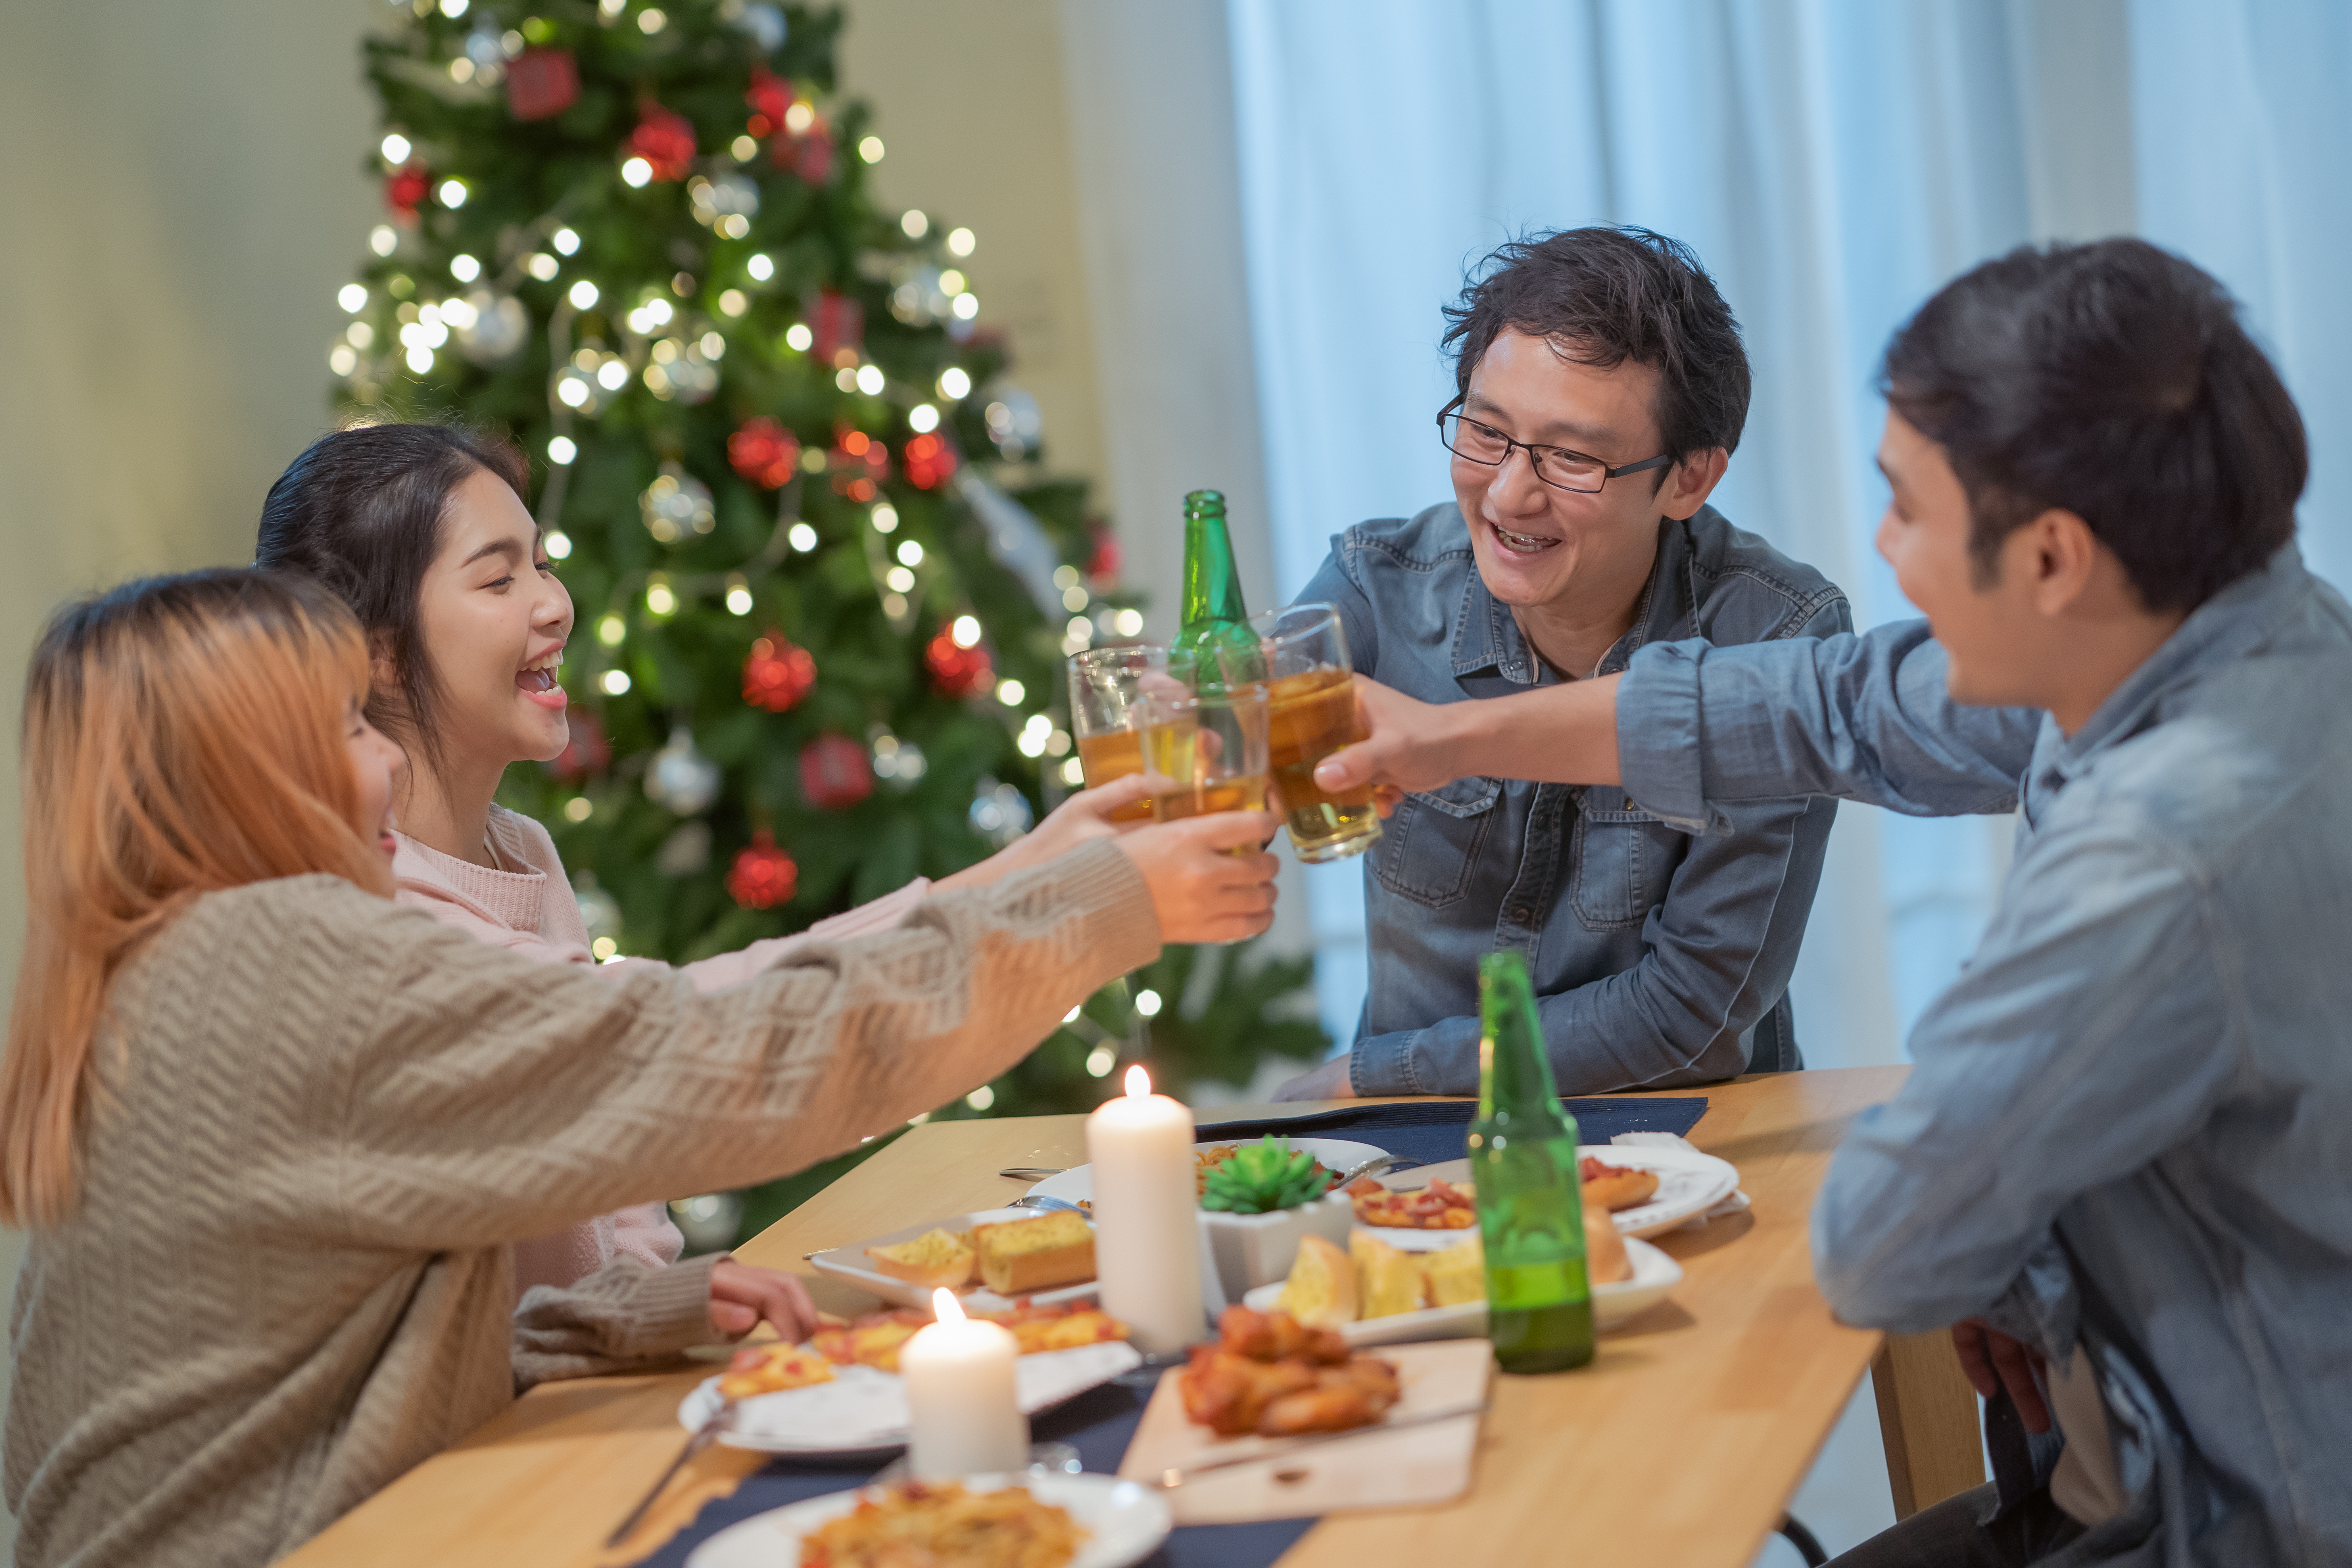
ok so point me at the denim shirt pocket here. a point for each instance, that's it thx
(1621, 859)
(1430, 847)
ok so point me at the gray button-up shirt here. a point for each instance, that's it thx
(1659, 957)
(2131, 1120)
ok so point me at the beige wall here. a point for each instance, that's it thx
(967, 101)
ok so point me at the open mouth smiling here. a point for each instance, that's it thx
(1521, 543)
(538, 678)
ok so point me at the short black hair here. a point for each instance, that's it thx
(2113, 380)
(360, 511)
(1608, 295)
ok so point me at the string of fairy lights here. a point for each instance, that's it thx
(672, 339)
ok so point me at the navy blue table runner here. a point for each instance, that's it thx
(1432, 1131)
(1098, 1424)
(1101, 1422)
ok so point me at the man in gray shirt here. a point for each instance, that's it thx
(2121, 1168)
(1602, 388)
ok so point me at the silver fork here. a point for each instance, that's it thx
(721, 1420)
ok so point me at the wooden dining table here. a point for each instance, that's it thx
(1681, 1442)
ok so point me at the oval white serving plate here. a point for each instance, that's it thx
(1654, 1275)
(1125, 1522)
(862, 1410)
(1689, 1183)
(851, 1264)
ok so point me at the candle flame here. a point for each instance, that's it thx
(945, 1307)
(1138, 1083)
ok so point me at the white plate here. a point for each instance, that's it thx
(1655, 1274)
(1075, 1185)
(1689, 1183)
(862, 1410)
(1124, 1522)
(851, 1264)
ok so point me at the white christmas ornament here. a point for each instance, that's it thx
(599, 910)
(762, 24)
(497, 328)
(686, 851)
(681, 777)
(999, 813)
(676, 505)
(1014, 422)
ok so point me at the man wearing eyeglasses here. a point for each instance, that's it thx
(1602, 388)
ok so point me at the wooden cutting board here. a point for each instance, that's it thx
(1369, 1469)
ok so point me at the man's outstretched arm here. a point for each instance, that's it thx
(1690, 726)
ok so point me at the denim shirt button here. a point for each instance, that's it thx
(1523, 916)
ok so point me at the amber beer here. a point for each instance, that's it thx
(1105, 686)
(1225, 794)
(1114, 756)
(1312, 714)
(1205, 750)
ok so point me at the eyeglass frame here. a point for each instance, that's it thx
(1535, 461)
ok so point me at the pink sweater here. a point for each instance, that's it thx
(526, 905)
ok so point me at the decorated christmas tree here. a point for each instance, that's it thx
(824, 588)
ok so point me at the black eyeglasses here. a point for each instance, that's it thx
(1555, 466)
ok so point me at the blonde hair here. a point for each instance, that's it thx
(182, 734)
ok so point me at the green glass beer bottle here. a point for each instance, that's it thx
(1530, 1204)
(1215, 646)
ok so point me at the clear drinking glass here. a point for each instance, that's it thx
(1107, 687)
(1205, 750)
(1311, 714)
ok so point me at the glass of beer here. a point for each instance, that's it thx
(1107, 687)
(1205, 750)
(1312, 714)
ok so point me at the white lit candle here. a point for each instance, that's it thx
(960, 1392)
(1146, 1215)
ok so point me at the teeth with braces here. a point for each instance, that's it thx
(1520, 542)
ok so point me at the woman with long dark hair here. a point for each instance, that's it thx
(420, 530)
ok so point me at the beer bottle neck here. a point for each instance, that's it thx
(1213, 585)
(1514, 1073)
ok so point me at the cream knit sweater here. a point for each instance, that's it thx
(324, 1119)
(525, 905)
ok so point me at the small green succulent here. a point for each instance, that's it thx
(1265, 1176)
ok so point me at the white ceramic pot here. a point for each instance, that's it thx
(1254, 1249)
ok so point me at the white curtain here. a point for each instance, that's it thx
(1832, 162)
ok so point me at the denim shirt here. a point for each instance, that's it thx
(2130, 1122)
(1659, 957)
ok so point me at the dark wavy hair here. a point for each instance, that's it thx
(361, 512)
(2115, 380)
(1606, 296)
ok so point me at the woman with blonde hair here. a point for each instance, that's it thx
(422, 531)
(274, 1137)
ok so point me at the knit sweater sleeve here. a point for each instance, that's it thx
(623, 1315)
(489, 1098)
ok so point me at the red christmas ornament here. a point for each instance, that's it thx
(838, 323)
(778, 674)
(764, 452)
(859, 464)
(809, 156)
(1102, 567)
(587, 751)
(771, 99)
(542, 83)
(762, 876)
(404, 189)
(834, 773)
(958, 672)
(665, 140)
(930, 460)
